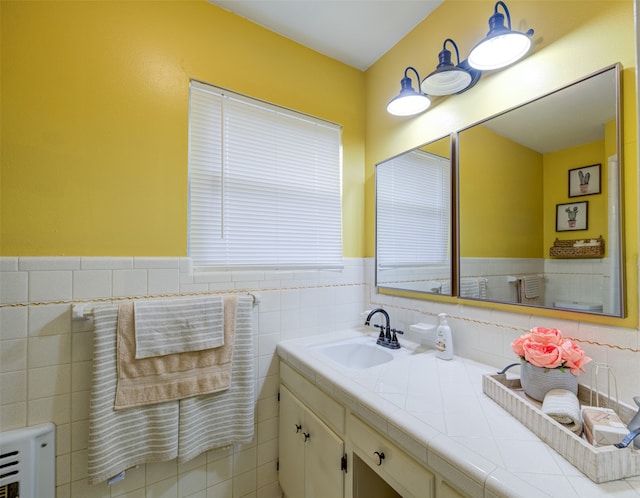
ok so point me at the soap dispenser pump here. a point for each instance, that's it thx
(444, 345)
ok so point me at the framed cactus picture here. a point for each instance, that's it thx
(572, 216)
(585, 180)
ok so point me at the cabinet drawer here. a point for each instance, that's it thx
(328, 409)
(398, 469)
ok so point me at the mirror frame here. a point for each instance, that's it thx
(453, 216)
(622, 312)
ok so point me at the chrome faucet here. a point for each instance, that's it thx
(387, 336)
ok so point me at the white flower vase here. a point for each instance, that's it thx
(538, 381)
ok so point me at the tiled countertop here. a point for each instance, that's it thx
(436, 411)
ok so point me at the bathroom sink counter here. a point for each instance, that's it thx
(435, 410)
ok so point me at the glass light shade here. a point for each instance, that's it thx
(408, 102)
(446, 81)
(408, 105)
(499, 51)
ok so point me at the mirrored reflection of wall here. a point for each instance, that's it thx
(413, 220)
(514, 181)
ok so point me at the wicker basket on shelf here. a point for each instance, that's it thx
(568, 249)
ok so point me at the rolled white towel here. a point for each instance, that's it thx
(564, 407)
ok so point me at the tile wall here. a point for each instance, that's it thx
(485, 335)
(46, 360)
(581, 280)
(45, 356)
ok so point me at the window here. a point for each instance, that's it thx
(413, 213)
(264, 184)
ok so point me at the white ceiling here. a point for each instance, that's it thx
(355, 32)
(567, 118)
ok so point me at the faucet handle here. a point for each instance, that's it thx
(394, 337)
(381, 327)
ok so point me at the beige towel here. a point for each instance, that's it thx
(174, 376)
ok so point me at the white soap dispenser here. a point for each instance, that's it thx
(444, 345)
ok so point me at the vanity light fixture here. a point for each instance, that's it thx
(409, 101)
(448, 79)
(502, 46)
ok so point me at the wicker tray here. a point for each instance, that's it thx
(566, 249)
(600, 464)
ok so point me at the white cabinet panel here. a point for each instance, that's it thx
(310, 453)
(291, 445)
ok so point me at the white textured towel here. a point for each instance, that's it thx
(563, 406)
(531, 286)
(473, 287)
(121, 439)
(179, 325)
(220, 419)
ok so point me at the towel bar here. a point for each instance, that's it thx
(82, 311)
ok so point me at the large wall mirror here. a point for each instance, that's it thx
(413, 220)
(540, 201)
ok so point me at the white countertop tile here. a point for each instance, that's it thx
(436, 411)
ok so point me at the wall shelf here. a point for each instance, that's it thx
(577, 248)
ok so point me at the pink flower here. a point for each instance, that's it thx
(546, 348)
(546, 336)
(574, 357)
(518, 345)
(542, 355)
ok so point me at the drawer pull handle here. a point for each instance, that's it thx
(380, 456)
(298, 428)
(306, 436)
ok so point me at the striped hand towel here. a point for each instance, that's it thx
(224, 418)
(531, 286)
(165, 326)
(120, 440)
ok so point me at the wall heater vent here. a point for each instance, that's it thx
(27, 462)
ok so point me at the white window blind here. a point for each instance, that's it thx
(413, 210)
(264, 184)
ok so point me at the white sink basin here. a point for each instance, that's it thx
(355, 354)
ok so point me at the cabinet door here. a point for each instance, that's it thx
(324, 451)
(291, 445)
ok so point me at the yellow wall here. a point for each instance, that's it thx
(572, 40)
(511, 211)
(556, 168)
(94, 118)
(501, 197)
(94, 109)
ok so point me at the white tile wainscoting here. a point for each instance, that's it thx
(46, 358)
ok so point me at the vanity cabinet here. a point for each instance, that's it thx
(311, 454)
(326, 451)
